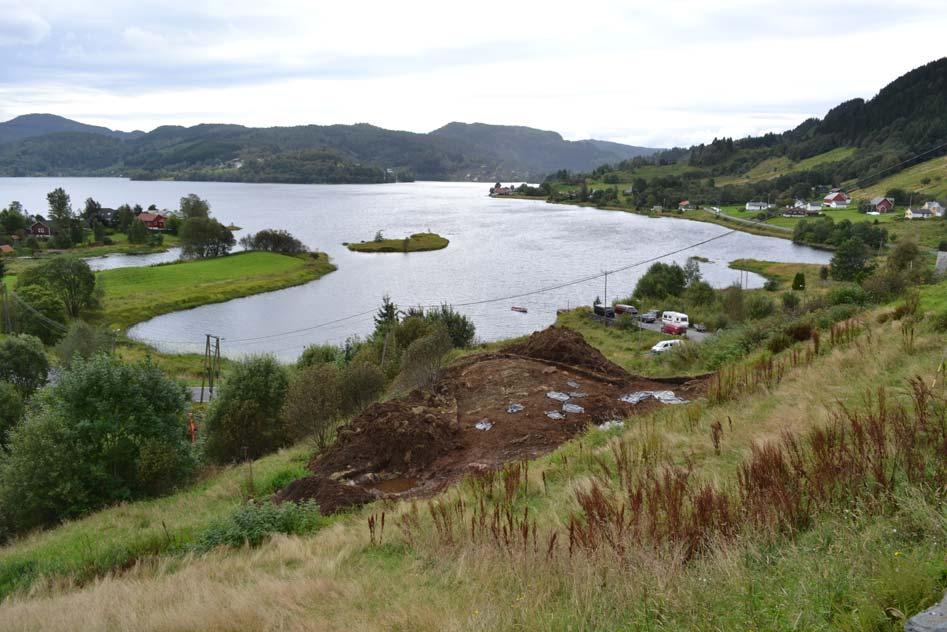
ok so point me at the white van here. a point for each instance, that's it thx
(674, 318)
(664, 345)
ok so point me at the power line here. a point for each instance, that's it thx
(42, 318)
(490, 300)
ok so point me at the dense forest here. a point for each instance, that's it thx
(857, 143)
(48, 145)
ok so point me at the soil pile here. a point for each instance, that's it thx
(566, 346)
(486, 410)
(399, 436)
(331, 495)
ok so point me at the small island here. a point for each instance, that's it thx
(417, 242)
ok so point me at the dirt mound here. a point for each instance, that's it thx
(566, 346)
(399, 435)
(332, 496)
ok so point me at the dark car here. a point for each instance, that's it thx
(603, 310)
(649, 317)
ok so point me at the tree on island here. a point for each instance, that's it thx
(203, 237)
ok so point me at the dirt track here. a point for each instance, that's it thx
(420, 444)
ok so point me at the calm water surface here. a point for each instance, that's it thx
(498, 248)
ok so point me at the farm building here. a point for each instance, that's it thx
(882, 204)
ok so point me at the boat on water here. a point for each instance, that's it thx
(521, 310)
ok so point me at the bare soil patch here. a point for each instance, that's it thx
(485, 411)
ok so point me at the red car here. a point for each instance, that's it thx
(674, 329)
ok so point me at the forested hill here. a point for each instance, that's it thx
(546, 150)
(309, 153)
(32, 125)
(858, 143)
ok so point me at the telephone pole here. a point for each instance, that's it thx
(211, 373)
(605, 305)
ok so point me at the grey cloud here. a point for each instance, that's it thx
(20, 26)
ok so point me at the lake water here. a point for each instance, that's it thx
(498, 248)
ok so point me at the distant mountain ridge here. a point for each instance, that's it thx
(43, 144)
(32, 125)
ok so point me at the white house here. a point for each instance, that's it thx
(758, 206)
(934, 207)
(918, 213)
(836, 199)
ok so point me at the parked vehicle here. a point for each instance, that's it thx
(664, 345)
(606, 311)
(674, 318)
(626, 309)
(700, 327)
(649, 317)
(521, 310)
(675, 329)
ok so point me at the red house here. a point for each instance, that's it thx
(40, 229)
(882, 204)
(154, 221)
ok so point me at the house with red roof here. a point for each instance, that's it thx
(154, 221)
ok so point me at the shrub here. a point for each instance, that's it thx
(253, 523)
(778, 342)
(790, 301)
(313, 403)
(939, 322)
(848, 295)
(244, 420)
(885, 284)
(271, 240)
(836, 314)
(45, 316)
(362, 383)
(23, 363)
(771, 285)
(459, 328)
(80, 447)
(11, 410)
(800, 330)
(84, 341)
(759, 306)
(799, 282)
(203, 237)
(422, 361)
(731, 299)
(71, 279)
(660, 281)
(318, 354)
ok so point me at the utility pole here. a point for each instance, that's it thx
(605, 311)
(211, 373)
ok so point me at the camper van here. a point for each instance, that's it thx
(674, 318)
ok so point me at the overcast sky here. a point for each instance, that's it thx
(643, 72)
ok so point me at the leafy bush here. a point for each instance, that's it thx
(939, 322)
(71, 279)
(660, 281)
(252, 524)
(848, 295)
(45, 317)
(759, 306)
(319, 354)
(23, 363)
(778, 342)
(362, 383)
(11, 410)
(733, 303)
(271, 240)
(313, 403)
(799, 330)
(790, 301)
(459, 328)
(771, 285)
(244, 420)
(83, 340)
(80, 448)
(836, 314)
(422, 361)
(203, 237)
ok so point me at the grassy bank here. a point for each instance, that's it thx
(132, 295)
(853, 568)
(418, 242)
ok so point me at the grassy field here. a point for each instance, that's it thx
(136, 294)
(929, 178)
(779, 166)
(116, 537)
(417, 242)
(853, 568)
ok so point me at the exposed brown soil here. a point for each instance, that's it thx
(331, 495)
(420, 444)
